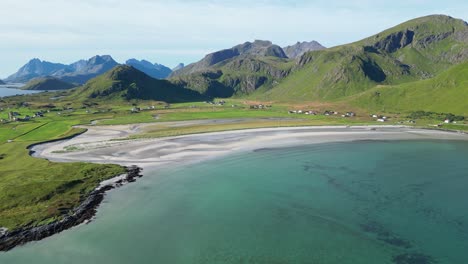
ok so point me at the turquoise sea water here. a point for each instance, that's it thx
(359, 202)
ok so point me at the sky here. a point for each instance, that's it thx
(170, 32)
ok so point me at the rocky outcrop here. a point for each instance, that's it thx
(395, 41)
(81, 214)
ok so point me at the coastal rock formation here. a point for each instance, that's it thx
(84, 212)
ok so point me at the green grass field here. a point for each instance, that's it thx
(36, 191)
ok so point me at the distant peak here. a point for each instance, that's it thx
(263, 42)
(35, 60)
(100, 58)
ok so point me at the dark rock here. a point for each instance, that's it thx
(395, 41)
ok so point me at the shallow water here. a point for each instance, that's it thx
(357, 202)
(13, 89)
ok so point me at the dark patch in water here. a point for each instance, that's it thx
(385, 235)
(413, 258)
(396, 241)
(309, 166)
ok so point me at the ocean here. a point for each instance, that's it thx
(360, 202)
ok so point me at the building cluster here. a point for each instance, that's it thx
(220, 103)
(325, 113)
(139, 109)
(259, 106)
(16, 116)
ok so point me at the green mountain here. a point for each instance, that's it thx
(415, 50)
(126, 83)
(447, 93)
(47, 84)
(236, 71)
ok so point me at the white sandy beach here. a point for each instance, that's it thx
(103, 144)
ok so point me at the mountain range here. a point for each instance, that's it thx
(415, 50)
(412, 51)
(417, 65)
(83, 70)
(78, 72)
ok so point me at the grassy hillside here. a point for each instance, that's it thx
(126, 83)
(448, 93)
(47, 84)
(415, 50)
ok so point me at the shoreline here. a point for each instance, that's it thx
(101, 144)
(83, 213)
(105, 144)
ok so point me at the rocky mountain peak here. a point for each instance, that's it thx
(298, 49)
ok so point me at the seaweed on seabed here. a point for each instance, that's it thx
(413, 258)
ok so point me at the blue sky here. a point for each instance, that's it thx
(170, 32)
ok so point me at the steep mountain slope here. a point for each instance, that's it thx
(300, 48)
(157, 71)
(126, 83)
(415, 50)
(257, 48)
(447, 92)
(2, 82)
(78, 72)
(47, 83)
(236, 71)
(33, 69)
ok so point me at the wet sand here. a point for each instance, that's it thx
(105, 144)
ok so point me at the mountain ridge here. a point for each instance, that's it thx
(417, 49)
(155, 70)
